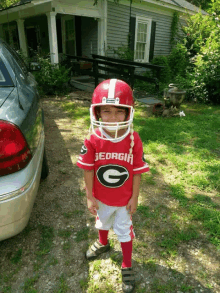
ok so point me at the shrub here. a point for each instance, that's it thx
(165, 73)
(178, 61)
(207, 76)
(123, 52)
(206, 61)
(52, 78)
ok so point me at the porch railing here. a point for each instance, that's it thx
(108, 67)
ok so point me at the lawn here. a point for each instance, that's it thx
(178, 218)
(185, 152)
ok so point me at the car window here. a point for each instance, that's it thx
(18, 59)
(2, 79)
(5, 79)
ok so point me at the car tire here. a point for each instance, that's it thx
(45, 167)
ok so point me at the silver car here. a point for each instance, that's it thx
(22, 152)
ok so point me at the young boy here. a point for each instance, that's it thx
(112, 159)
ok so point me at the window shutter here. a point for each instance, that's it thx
(132, 33)
(152, 40)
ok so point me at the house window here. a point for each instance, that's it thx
(142, 39)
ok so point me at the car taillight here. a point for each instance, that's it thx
(14, 151)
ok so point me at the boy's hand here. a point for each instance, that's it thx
(92, 205)
(132, 205)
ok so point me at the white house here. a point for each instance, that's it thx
(77, 27)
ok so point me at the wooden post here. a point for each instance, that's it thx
(95, 71)
(131, 77)
(158, 81)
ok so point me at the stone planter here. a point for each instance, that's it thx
(173, 96)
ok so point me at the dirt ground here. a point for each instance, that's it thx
(48, 256)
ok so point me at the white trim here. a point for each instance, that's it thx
(140, 19)
(144, 167)
(81, 8)
(85, 164)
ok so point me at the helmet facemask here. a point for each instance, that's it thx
(112, 127)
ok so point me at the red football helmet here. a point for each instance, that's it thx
(117, 93)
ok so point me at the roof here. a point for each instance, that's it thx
(178, 3)
(184, 4)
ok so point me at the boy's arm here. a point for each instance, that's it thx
(133, 202)
(91, 201)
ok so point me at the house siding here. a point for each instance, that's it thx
(89, 34)
(118, 28)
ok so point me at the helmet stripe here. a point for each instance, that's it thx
(111, 91)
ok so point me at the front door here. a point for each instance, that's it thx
(33, 39)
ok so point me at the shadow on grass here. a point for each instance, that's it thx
(150, 276)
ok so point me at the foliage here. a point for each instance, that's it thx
(204, 4)
(165, 73)
(123, 52)
(52, 78)
(7, 3)
(174, 27)
(202, 44)
(194, 62)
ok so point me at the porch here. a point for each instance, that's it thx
(54, 28)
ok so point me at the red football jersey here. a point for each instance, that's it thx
(113, 167)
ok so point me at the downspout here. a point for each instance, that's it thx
(129, 32)
(105, 27)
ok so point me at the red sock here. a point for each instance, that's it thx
(103, 237)
(127, 253)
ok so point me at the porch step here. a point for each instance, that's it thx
(87, 83)
(84, 82)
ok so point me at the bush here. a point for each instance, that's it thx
(123, 52)
(205, 34)
(178, 61)
(207, 76)
(165, 73)
(52, 78)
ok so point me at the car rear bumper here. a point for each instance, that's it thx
(16, 206)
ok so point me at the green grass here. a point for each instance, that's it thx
(186, 152)
(46, 241)
(184, 158)
(17, 257)
(82, 234)
(74, 213)
(179, 198)
(29, 283)
(77, 112)
(65, 233)
(62, 285)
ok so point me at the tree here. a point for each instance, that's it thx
(204, 4)
(7, 3)
(201, 41)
